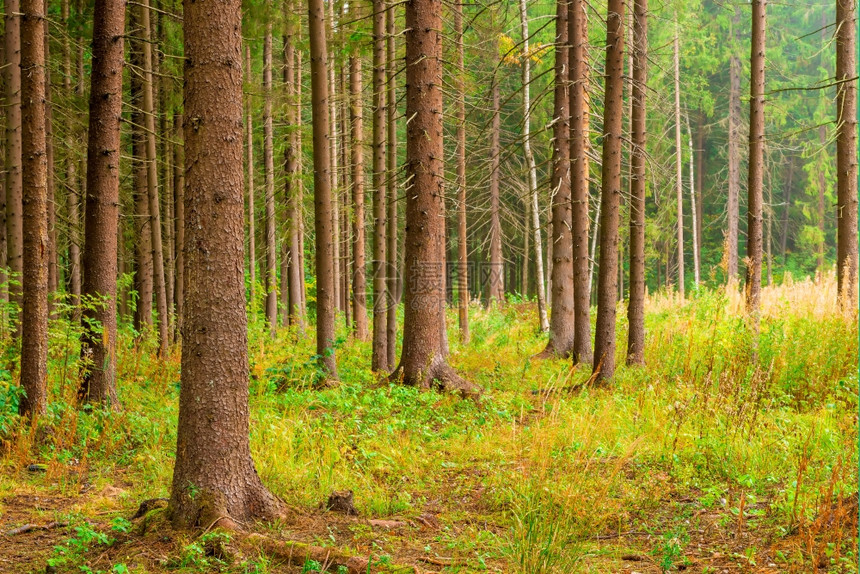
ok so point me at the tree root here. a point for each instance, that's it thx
(441, 377)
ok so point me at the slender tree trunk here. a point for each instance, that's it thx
(252, 234)
(561, 333)
(700, 179)
(332, 137)
(292, 194)
(179, 212)
(14, 183)
(679, 176)
(462, 251)
(756, 163)
(497, 266)
(530, 159)
(269, 165)
(526, 226)
(636, 305)
(379, 355)
(693, 207)
(610, 195)
(51, 200)
(74, 216)
(98, 346)
(142, 233)
(734, 151)
(325, 262)
(422, 362)
(299, 201)
(392, 268)
(786, 210)
(359, 278)
(152, 185)
(579, 181)
(214, 475)
(846, 150)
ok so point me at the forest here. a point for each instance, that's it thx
(531, 286)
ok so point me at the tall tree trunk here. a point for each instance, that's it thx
(332, 137)
(143, 234)
(359, 278)
(34, 324)
(214, 475)
(269, 165)
(14, 184)
(179, 213)
(98, 346)
(694, 214)
(381, 305)
(462, 251)
(49, 153)
(786, 210)
(561, 332)
(579, 181)
(846, 150)
(252, 234)
(700, 179)
(391, 176)
(636, 305)
(325, 262)
(497, 266)
(679, 175)
(422, 362)
(152, 184)
(532, 177)
(756, 163)
(822, 190)
(734, 151)
(299, 201)
(610, 194)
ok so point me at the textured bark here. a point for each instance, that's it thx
(562, 320)
(734, 152)
(249, 138)
(333, 138)
(34, 323)
(269, 167)
(359, 277)
(540, 287)
(325, 262)
(756, 163)
(98, 346)
(422, 362)
(462, 251)
(694, 208)
(292, 190)
(14, 184)
(214, 476)
(846, 150)
(343, 229)
(700, 172)
(636, 304)
(179, 218)
(679, 156)
(379, 353)
(152, 184)
(51, 200)
(610, 194)
(579, 181)
(391, 178)
(496, 276)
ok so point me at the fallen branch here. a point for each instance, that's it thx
(31, 527)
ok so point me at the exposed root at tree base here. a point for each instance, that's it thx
(552, 353)
(439, 376)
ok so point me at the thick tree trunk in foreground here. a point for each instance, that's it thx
(561, 330)
(322, 189)
(34, 323)
(579, 181)
(359, 278)
(496, 277)
(422, 362)
(636, 305)
(14, 184)
(214, 477)
(756, 163)
(269, 167)
(734, 153)
(846, 150)
(98, 384)
(610, 194)
(462, 251)
(379, 354)
(391, 176)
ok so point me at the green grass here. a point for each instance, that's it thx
(755, 436)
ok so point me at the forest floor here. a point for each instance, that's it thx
(711, 459)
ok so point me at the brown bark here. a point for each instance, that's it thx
(322, 189)
(577, 34)
(679, 174)
(179, 219)
(34, 323)
(846, 150)
(610, 194)
(422, 361)
(462, 251)
(636, 305)
(379, 353)
(359, 278)
(269, 167)
(143, 283)
(214, 476)
(333, 138)
(391, 177)
(14, 184)
(734, 151)
(98, 346)
(756, 162)
(49, 152)
(152, 183)
(252, 234)
(496, 276)
(562, 320)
